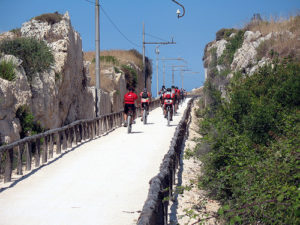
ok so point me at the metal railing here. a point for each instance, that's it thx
(155, 209)
(36, 150)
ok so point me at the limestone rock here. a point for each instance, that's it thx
(13, 94)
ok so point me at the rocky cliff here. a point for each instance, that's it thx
(245, 50)
(119, 69)
(62, 93)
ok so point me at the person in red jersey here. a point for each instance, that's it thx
(168, 99)
(130, 98)
(145, 101)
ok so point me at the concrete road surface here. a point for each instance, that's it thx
(104, 181)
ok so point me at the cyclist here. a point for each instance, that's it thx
(177, 93)
(161, 92)
(173, 91)
(130, 99)
(168, 95)
(182, 94)
(145, 101)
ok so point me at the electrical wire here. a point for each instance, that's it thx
(150, 35)
(116, 27)
(90, 2)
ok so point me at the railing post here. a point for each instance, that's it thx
(75, 134)
(28, 147)
(64, 140)
(80, 131)
(51, 145)
(20, 156)
(69, 138)
(45, 150)
(107, 124)
(58, 143)
(8, 165)
(97, 128)
(37, 152)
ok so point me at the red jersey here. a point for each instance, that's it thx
(145, 99)
(168, 97)
(130, 97)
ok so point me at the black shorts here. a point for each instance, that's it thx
(127, 106)
(145, 104)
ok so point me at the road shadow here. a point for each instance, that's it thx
(173, 215)
(149, 123)
(136, 132)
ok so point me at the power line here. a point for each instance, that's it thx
(91, 2)
(150, 35)
(116, 27)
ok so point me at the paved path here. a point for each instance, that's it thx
(103, 182)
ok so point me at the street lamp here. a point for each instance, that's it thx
(157, 53)
(178, 11)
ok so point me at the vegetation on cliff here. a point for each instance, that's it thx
(35, 54)
(254, 141)
(251, 140)
(7, 70)
(28, 125)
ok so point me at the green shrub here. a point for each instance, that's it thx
(7, 70)
(50, 18)
(234, 43)
(253, 164)
(109, 59)
(28, 125)
(130, 76)
(117, 69)
(35, 54)
(224, 33)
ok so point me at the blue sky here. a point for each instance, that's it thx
(191, 32)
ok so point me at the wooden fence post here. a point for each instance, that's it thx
(8, 165)
(20, 156)
(28, 147)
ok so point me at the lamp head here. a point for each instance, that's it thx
(178, 13)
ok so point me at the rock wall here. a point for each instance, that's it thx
(56, 97)
(63, 93)
(245, 59)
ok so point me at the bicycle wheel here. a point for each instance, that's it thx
(145, 116)
(128, 124)
(169, 117)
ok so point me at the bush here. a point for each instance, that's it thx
(254, 140)
(234, 43)
(28, 125)
(224, 33)
(109, 59)
(130, 76)
(50, 18)
(35, 54)
(7, 70)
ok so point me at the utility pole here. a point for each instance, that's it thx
(97, 69)
(173, 66)
(164, 66)
(151, 43)
(157, 53)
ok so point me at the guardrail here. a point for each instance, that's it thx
(36, 150)
(155, 209)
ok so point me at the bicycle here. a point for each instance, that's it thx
(169, 109)
(129, 119)
(145, 111)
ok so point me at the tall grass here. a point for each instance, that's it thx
(7, 70)
(284, 43)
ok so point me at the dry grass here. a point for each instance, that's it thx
(276, 25)
(284, 44)
(121, 55)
